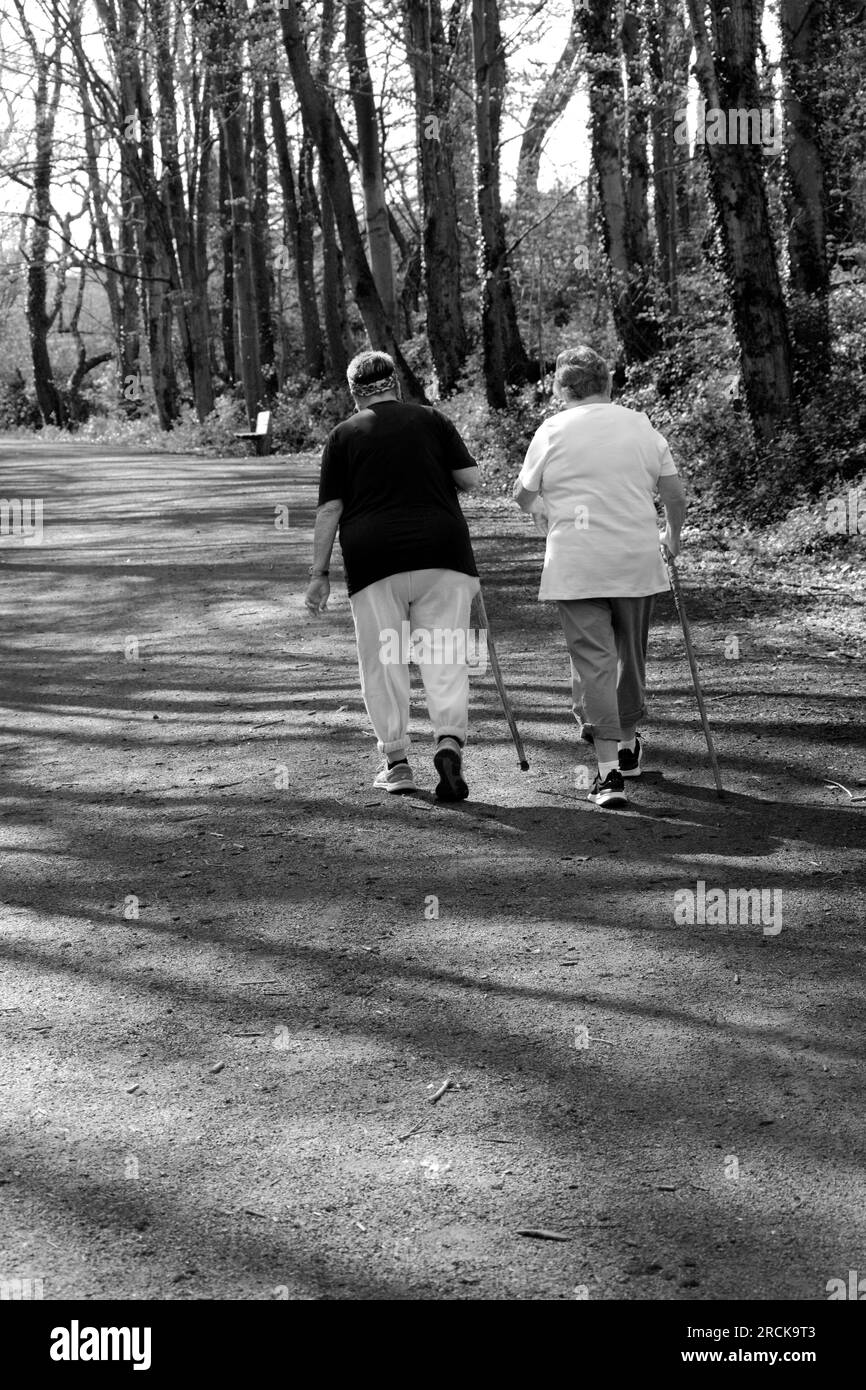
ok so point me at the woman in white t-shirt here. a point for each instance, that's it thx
(590, 478)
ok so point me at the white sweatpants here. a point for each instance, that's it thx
(431, 601)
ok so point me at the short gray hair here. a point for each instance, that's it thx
(370, 373)
(582, 372)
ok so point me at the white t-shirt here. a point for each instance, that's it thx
(597, 467)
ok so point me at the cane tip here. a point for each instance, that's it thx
(524, 767)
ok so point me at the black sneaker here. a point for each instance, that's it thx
(629, 763)
(448, 761)
(610, 792)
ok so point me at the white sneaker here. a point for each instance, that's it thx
(396, 779)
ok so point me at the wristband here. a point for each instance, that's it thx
(318, 574)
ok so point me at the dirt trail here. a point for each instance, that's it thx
(227, 997)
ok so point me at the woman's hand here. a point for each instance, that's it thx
(670, 542)
(318, 592)
(540, 519)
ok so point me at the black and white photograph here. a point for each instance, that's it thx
(432, 699)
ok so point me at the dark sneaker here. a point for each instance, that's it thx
(629, 763)
(448, 762)
(610, 792)
(397, 780)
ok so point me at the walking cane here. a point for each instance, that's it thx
(500, 684)
(690, 652)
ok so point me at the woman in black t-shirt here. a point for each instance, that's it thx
(390, 481)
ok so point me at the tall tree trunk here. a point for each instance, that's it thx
(334, 305)
(227, 310)
(119, 261)
(727, 77)
(191, 302)
(338, 334)
(505, 359)
(98, 202)
(842, 55)
(635, 323)
(556, 92)
(226, 65)
(83, 363)
(637, 135)
(155, 251)
(802, 26)
(156, 284)
(679, 40)
(130, 297)
(200, 199)
(299, 231)
(39, 319)
(661, 21)
(262, 271)
(428, 53)
(411, 276)
(320, 116)
(370, 158)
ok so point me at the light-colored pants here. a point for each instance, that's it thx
(607, 643)
(429, 600)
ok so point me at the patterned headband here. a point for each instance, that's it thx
(375, 388)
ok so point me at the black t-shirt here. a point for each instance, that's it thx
(391, 465)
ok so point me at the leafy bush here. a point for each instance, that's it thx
(687, 394)
(835, 520)
(214, 435)
(304, 412)
(142, 432)
(497, 439)
(18, 408)
(302, 415)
